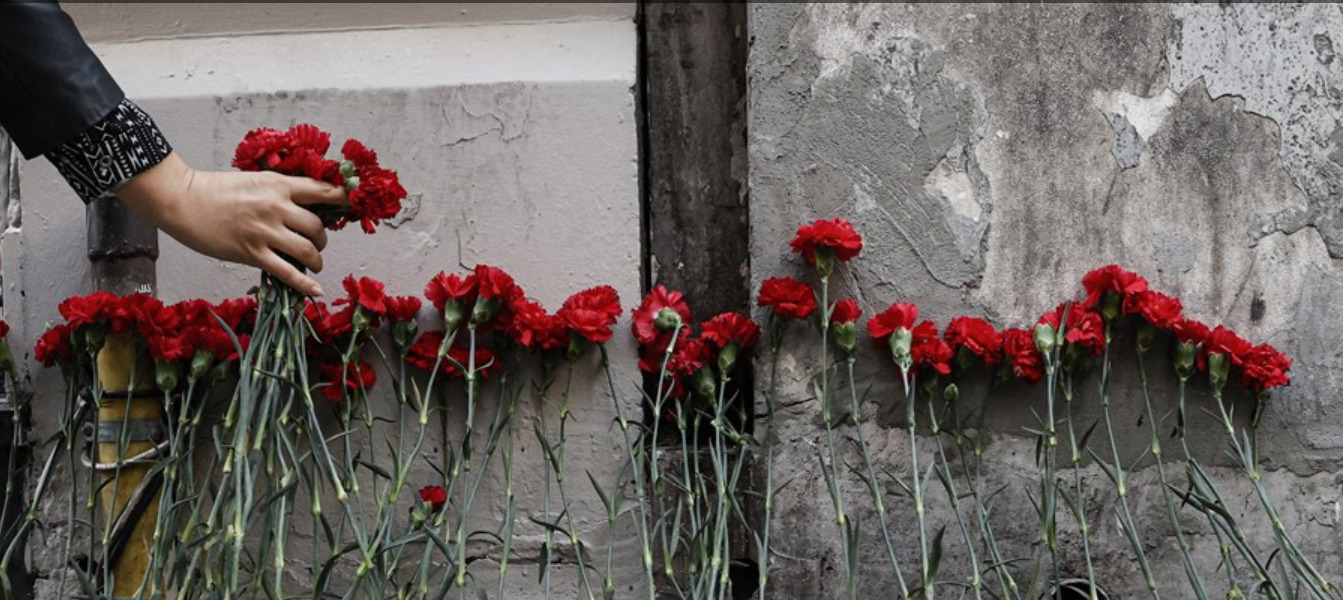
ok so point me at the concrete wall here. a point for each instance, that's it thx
(515, 136)
(991, 155)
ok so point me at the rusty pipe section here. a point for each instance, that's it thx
(123, 248)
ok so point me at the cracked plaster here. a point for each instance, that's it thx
(1171, 139)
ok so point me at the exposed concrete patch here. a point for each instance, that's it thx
(1263, 53)
(1128, 144)
(954, 188)
(1134, 119)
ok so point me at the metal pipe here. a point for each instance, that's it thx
(122, 250)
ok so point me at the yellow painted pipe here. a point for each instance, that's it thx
(119, 368)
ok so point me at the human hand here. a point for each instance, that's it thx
(249, 218)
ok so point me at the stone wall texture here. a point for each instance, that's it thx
(990, 154)
(993, 154)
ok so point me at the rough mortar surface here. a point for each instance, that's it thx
(991, 155)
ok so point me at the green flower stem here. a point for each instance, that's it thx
(636, 457)
(655, 471)
(1006, 582)
(1048, 447)
(559, 467)
(874, 487)
(831, 470)
(777, 327)
(1191, 471)
(1172, 512)
(1120, 476)
(1248, 455)
(1079, 502)
(920, 508)
(949, 483)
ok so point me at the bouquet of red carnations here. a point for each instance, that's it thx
(375, 193)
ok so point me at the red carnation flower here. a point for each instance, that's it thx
(897, 316)
(1085, 327)
(689, 357)
(977, 336)
(238, 313)
(1264, 368)
(424, 354)
(1162, 311)
(435, 496)
(402, 308)
(1225, 342)
(54, 345)
(1019, 350)
(591, 313)
(79, 311)
(495, 283)
(309, 137)
(532, 327)
(365, 292)
(347, 379)
(378, 196)
(644, 324)
(1189, 331)
(930, 350)
(845, 311)
(444, 288)
(262, 149)
(729, 328)
(356, 152)
(835, 235)
(1111, 279)
(787, 298)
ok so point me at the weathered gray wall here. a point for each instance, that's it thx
(991, 155)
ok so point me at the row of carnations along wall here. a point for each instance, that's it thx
(989, 154)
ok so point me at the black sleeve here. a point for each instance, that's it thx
(52, 87)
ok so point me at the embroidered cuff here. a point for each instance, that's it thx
(100, 160)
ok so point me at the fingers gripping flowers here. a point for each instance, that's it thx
(375, 193)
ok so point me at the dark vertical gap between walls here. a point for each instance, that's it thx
(641, 118)
(693, 188)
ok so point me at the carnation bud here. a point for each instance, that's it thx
(348, 170)
(825, 261)
(200, 364)
(486, 309)
(727, 358)
(576, 347)
(361, 320)
(1110, 305)
(1146, 336)
(704, 383)
(418, 514)
(1044, 338)
(846, 336)
(403, 332)
(6, 357)
(453, 313)
(94, 337)
(952, 393)
(165, 374)
(352, 183)
(901, 341)
(667, 319)
(1218, 369)
(1186, 355)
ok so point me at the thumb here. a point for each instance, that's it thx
(303, 190)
